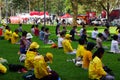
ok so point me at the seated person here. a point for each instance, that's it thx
(87, 57)
(67, 45)
(15, 36)
(114, 45)
(80, 49)
(94, 33)
(96, 71)
(106, 34)
(60, 39)
(41, 69)
(31, 53)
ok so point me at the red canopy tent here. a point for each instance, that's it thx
(34, 13)
(66, 16)
(42, 13)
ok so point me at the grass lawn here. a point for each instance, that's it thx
(66, 70)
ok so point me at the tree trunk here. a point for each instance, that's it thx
(74, 4)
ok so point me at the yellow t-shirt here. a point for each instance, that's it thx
(7, 34)
(40, 68)
(96, 70)
(3, 69)
(80, 51)
(14, 38)
(87, 57)
(67, 46)
(30, 59)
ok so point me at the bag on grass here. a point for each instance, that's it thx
(29, 75)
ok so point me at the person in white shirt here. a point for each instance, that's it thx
(94, 33)
(114, 45)
(60, 39)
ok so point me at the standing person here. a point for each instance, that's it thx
(32, 29)
(36, 30)
(94, 33)
(107, 25)
(96, 70)
(8, 33)
(60, 39)
(42, 33)
(41, 69)
(67, 45)
(46, 36)
(87, 56)
(73, 32)
(30, 55)
(57, 29)
(15, 36)
(118, 36)
(115, 45)
(23, 42)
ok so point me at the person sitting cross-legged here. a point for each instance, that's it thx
(67, 45)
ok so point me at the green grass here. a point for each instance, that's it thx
(66, 70)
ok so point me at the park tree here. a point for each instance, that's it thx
(1, 6)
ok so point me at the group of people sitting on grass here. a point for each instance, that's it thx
(33, 61)
(38, 63)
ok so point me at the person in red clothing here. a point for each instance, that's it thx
(36, 30)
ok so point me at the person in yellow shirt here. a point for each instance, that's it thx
(87, 57)
(8, 33)
(3, 69)
(41, 69)
(96, 70)
(80, 49)
(30, 55)
(67, 45)
(15, 36)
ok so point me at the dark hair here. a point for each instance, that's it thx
(46, 29)
(62, 33)
(32, 26)
(90, 46)
(95, 28)
(24, 33)
(99, 52)
(115, 37)
(100, 35)
(105, 29)
(16, 30)
(42, 28)
(81, 41)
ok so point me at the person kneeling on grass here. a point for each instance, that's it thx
(96, 70)
(67, 45)
(41, 70)
(31, 53)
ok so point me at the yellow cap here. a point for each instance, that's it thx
(34, 45)
(49, 56)
(68, 36)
